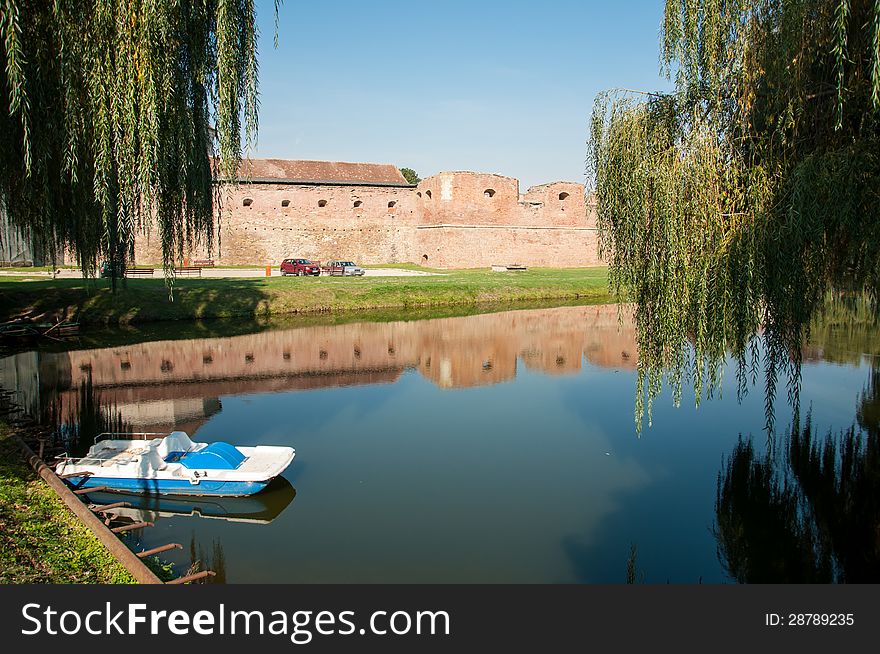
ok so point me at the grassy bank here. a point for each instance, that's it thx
(147, 300)
(41, 541)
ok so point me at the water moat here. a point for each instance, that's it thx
(487, 448)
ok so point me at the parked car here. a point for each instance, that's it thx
(342, 268)
(299, 267)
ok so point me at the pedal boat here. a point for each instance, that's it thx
(174, 465)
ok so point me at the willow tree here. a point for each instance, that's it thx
(105, 109)
(735, 203)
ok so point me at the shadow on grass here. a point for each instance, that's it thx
(138, 300)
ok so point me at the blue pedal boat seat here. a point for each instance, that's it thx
(216, 456)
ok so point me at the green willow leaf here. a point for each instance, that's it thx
(106, 110)
(731, 207)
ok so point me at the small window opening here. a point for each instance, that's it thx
(563, 196)
(166, 366)
(322, 203)
(357, 203)
(419, 194)
(207, 360)
(428, 194)
(489, 193)
(247, 202)
(322, 354)
(249, 357)
(392, 204)
(424, 258)
(285, 203)
(286, 356)
(125, 365)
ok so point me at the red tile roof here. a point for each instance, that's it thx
(292, 170)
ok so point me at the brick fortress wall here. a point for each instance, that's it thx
(450, 220)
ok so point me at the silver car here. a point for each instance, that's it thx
(343, 268)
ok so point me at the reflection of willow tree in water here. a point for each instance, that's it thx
(811, 514)
(84, 421)
(845, 329)
(200, 560)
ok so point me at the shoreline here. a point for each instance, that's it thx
(43, 540)
(139, 301)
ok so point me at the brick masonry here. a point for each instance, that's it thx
(450, 220)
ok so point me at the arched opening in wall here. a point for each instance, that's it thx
(563, 196)
(322, 203)
(358, 203)
(489, 193)
(285, 203)
(428, 194)
(419, 194)
(247, 202)
(392, 204)
(424, 259)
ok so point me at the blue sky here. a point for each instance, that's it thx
(503, 87)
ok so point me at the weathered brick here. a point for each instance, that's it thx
(450, 220)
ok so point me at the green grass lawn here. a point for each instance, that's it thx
(41, 541)
(147, 300)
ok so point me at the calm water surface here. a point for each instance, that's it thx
(489, 448)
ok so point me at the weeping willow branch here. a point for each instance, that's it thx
(731, 207)
(105, 109)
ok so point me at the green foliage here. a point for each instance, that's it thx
(734, 204)
(410, 175)
(104, 119)
(41, 541)
(146, 300)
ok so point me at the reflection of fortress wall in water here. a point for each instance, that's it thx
(161, 384)
(452, 352)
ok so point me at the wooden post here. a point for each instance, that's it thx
(159, 550)
(189, 578)
(136, 525)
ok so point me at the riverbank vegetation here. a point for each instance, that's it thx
(41, 541)
(93, 302)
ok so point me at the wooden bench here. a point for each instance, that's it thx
(505, 267)
(139, 272)
(203, 263)
(188, 271)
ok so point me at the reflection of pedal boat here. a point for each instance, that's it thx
(261, 508)
(174, 465)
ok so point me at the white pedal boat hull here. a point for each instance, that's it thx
(174, 465)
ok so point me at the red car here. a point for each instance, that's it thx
(300, 267)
